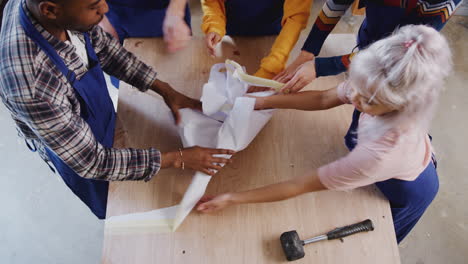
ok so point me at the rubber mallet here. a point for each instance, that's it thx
(293, 246)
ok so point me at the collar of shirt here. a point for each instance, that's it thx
(66, 51)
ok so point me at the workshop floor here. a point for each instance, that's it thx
(43, 222)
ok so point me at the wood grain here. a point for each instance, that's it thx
(291, 144)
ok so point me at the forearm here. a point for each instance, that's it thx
(134, 72)
(435, 13)
(162, 88)
(119, 62)
(276, 59)
(308, 100)
(296, 14)
(332, 65)
(170, 159)
(176, 8)
(279, 191)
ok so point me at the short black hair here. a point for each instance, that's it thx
(40, 1)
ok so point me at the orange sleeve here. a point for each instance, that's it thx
(295, 17)
(214, 17)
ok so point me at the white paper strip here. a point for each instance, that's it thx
(228, 121)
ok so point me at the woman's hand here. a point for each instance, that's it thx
(209, 204)
(288, 73)
(212, 39)
(304, 75)
(269, 193)
(176, 32)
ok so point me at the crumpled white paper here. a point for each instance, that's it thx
(228, 121)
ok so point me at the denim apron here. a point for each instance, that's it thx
(253, 18)
(408, 199)
(96, 109)
(139, 18)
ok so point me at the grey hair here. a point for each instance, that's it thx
(406, 72)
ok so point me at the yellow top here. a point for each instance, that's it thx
(295, 16)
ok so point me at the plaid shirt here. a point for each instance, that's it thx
(45, 106)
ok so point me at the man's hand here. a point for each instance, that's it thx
(288, 73)
(196, 158)
(304, 75)
(212, 39)
(174, 99)
(176, 32)
(203, 159)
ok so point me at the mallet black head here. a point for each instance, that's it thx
(293, 246)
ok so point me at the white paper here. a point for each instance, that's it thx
(156, 221)
(228, 121)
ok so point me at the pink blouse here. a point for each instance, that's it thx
(377, 160)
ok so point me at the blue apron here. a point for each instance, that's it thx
(408, 199)
(139, 18)
(381, 20)
(253, 18)
(96, 109)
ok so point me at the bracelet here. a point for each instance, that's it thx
(181, 158)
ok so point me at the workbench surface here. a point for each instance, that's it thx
(291, 144)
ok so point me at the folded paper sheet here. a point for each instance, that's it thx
(228, 121)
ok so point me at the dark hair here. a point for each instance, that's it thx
(2, 6)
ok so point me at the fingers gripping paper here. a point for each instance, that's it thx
(228, 121)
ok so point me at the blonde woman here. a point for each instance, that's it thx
(394, 85)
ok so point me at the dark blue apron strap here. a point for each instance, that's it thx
(92, 56)
(32, 148)
(433, 156)
(48, 162)
(434, 160)
(351, 136)
(89, 90)
(32, 32)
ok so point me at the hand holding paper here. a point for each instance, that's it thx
(228, 121)
(204, 160)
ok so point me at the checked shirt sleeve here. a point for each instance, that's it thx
(117, 61)
(70, 137)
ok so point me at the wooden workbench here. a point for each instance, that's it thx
(291, 144)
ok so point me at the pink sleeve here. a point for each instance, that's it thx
(343, 92)
(359, 168)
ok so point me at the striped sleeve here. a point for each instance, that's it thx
(435, 13)
(332, 65)
(331, 13)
